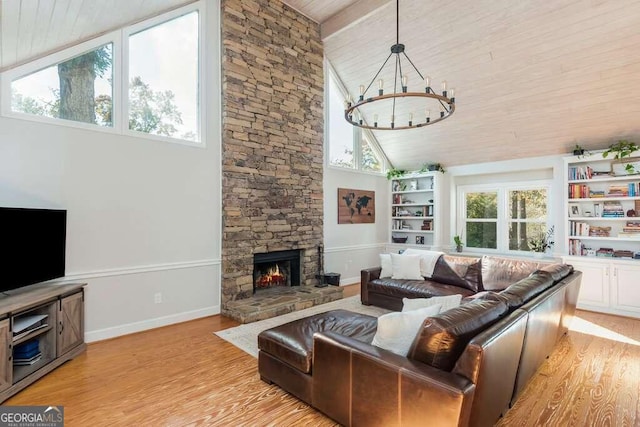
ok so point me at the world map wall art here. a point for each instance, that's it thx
(356, 206)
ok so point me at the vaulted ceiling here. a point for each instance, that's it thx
(32, 28)
(532, 78)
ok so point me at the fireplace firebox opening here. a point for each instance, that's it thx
(273, 269)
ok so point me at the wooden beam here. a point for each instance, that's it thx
(350, 16)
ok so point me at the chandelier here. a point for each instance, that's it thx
(403, 117)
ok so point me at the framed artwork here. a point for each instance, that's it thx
(574, 210)
(356, 206)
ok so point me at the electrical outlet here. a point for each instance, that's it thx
(157, 298)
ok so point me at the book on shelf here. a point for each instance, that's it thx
(24, 325)
(605, 252)
(27, 362)
(612, 210)
(579, 228)
(623, 254)
(599, 231)
(618, 191)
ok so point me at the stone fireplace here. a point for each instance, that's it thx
(272, 153)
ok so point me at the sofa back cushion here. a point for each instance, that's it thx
(558, 271)
(526, 289)
(459, 271)
(498, 273)
(442, 338)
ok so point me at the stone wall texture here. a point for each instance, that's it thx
(272, 142)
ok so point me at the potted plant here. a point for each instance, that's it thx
(541, 242)
(395, 173)
(458, 242)
(621, 150)
(578, 150)
(435, 167)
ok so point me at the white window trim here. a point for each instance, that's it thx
(503, 220)
(357, 133)
(120, 66)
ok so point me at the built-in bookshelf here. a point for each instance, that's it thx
(603, 209)
(602, 233)
(414, 214)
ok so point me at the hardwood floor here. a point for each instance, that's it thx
(183, 375)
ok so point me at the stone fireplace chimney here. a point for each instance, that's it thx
(272, 143)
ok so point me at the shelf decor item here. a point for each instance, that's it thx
(621, 150)
(574, 210)
(458, 242)
(542, 241)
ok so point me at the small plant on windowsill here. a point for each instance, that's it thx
(458, 242)
(542, 242)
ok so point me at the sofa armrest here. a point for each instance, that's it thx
(348, 375)
(367, 275)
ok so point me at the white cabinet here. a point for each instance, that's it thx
(608, 285)
(415, 210)
(625, 290)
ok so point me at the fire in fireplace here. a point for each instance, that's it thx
(273, 269)
(274, 276)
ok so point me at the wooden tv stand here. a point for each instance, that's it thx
(45, 318)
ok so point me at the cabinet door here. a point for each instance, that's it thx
(594, 288)
(625, 289)
(6, 355)
(70, 322)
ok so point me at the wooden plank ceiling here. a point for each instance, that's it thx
(532, 78)
(33, 28)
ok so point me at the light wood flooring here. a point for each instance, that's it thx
(185, 375)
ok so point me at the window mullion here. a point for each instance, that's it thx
(118, 80)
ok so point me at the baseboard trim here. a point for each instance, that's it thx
(349, 280)
(141, 269)
(130, 328)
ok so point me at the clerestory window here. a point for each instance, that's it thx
(347, 146)
(144, 79)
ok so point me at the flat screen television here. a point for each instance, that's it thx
(32, 246)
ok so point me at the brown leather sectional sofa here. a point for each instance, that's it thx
(465, 367)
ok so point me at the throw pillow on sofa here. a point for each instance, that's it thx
(465, 272)
(397, 330)
(385, 263)
(428, 260)
(405, 267)
(446, 302)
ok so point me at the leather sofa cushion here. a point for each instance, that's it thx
(526, 289)
(558, 271)
(459, 271)
(292, 343)
(414, 288)
(443, 337)
(498, 273)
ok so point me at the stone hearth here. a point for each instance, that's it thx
(273, 302)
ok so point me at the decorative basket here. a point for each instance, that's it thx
(398, 239)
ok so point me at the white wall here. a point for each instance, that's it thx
(143, 215)
(351, 247)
